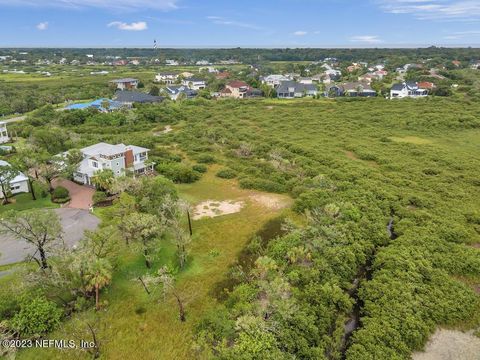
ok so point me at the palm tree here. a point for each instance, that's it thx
(103, 180)
(98, 275)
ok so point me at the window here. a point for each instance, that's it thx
(94, 164)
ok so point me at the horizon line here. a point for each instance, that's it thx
(269, 47)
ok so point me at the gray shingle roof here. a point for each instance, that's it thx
(286, 85)
(136, 97)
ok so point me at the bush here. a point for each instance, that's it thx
(36, 317)
(262, 185)
(60, 195)
(99, 197)
(227, 174)
(178, 173)
(200, 168)
(206, 159)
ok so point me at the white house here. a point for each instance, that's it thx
(209, 69)
(174, 92)
(19, 184)
(4, 138)
(274, 80)
(194, 84)
(305, 80)
(118, 158)
(167, 78)
(125, 84)
(407, 89)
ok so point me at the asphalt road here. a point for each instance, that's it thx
(74, 223)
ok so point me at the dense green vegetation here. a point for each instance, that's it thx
(354, 165)
(248, 55)
(389, 202)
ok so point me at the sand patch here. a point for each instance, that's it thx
(411, 140)
(351, 155)
(270, 201)
(211, 208)
(166, 130)
(450, 345)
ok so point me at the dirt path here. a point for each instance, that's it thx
(450, 345)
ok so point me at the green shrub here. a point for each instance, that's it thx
(227, 174)
(99, 197)
(200, 168)
(60, 195)
(36, 317)
(40, 189)
(206, 159)
(262, 185)
(178, 173)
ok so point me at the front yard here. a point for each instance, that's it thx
(25, 202)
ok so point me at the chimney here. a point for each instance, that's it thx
(129, 158)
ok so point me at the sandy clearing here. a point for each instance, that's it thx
(212, 208)
(270, 201)
(450, 345)
(351, 155)
(166, 130)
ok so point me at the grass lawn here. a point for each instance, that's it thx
(25, 202)
(136, 325)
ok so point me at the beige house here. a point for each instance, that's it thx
(239, 90)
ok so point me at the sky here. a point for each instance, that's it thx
(247, 23)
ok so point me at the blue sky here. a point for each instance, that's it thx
(267, 23)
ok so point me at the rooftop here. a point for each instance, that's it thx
(134, 96)
(20, 177)
(125, 80)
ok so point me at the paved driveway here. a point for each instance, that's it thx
(81, 195)
(74, 223)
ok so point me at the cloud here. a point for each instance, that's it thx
(300, 33)
(134, 26)
(218, 20)
(126, 5)
(366, 39)
(456, 10)
(42, 26)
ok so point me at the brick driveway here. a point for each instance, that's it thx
(81, 195)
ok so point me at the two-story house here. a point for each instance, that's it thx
(125, 84)
(167, 78)
(407, 89)
(239, 90)
(194, 83)
(176, 92)
(120, 159)
(4, 138)
(274, 80)
(293, 89)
